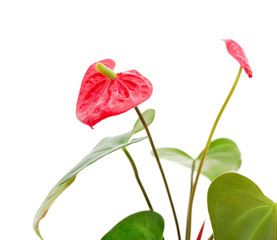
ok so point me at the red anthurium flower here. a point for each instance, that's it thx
(201, 231)
(104, 93)
(237, 52)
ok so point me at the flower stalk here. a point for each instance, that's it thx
(191, 186)
(189, 216)
(211, 237)
(161, 171)
(138, 178)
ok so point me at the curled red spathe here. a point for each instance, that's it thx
(237, 52)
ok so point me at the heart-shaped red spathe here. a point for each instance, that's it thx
(101, 97)
(237, 52)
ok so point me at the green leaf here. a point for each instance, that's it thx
(147, 225)
(175, 155)
(148, 116)
(239, 210)
(223, 156)
(52, 196)
(103, 148)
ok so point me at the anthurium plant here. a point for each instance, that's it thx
(237, 207)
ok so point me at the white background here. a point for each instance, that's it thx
(46, 47)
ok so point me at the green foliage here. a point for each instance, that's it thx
(223, 156)
(239, 210)
(103, 148)
(148, 116)
(147, 225)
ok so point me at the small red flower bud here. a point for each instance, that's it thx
(201, 232)
(237, 52)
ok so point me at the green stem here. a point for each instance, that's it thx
(211, 237)
(137, 177)
(161, 170)
(191, 175)
(205, 154)
(191, 185)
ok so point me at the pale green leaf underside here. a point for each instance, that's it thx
(103, 148)
(223, 156)
(239, 210)
(175, 155)
(147, 225)
(148, 116)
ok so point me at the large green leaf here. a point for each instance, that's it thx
(223, 156)
(103, 148)
(239, 210)
(147, 225)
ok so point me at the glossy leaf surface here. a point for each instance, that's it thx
(239, 210)
(223, 156)
(103, 148)
(147, 225)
